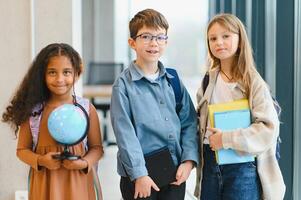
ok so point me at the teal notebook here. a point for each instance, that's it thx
(227, 121)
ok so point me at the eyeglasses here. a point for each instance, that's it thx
(147, 38)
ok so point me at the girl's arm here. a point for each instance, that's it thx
(24, 147)
(25, 153)
(263, 132)
(95, 151)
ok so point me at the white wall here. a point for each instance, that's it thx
(15, 58)
(22, 36)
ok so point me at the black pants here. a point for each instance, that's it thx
(168, 192)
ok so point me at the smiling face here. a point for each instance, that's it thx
(60, 76)
(148, 53)
(223, 44)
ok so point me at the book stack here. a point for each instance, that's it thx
(227, 117)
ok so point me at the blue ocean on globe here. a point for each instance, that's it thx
(67, 124)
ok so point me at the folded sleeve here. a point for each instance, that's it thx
(189, 131)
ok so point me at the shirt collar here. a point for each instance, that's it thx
(137, 74)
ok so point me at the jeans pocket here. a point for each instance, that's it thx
(253, 164)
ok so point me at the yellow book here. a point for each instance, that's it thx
(241, 104)
(230, 116)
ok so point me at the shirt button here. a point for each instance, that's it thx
(161, 102)
(170, 136)
(166, 119)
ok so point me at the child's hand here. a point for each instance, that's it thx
(75, 164)
(143, 186)
(183, 172)
(48, 161)
(215, 140)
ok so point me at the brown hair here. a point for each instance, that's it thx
(149, 18)
(33, 89)
(244, 60)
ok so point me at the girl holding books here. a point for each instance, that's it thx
(233, 76)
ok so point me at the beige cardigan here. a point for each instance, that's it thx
(258, 139)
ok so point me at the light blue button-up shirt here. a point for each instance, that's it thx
(144, 119)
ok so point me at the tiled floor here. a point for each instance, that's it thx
(110, 179)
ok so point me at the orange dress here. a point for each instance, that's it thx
(60, 184)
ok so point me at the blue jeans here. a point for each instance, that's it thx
(229, 182)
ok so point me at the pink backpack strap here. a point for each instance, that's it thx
(34, 123)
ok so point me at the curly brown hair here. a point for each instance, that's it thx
(33, 89)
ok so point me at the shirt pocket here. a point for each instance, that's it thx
(145, 108)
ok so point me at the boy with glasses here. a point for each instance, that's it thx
(144, 116)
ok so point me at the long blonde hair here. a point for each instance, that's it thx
(243, 60)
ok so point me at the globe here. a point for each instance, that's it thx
(67, 124)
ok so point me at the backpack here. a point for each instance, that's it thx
(277, 107)
(176, 86)
(34, 123)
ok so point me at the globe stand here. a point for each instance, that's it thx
(66, 155)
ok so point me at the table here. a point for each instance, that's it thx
(100, 92)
